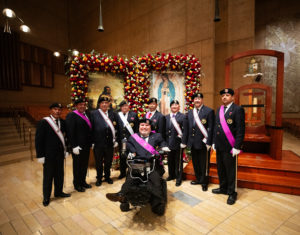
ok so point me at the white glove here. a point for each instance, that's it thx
(116, 144)
(131, 155)
(166, 149)
(182, 146)
(208, 147)
(41, 160)
(214, 147)
(235, 152)
(76, 150)
(67, 154)
(204, 140)
(93, 145)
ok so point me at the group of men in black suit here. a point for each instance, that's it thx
(104, 130)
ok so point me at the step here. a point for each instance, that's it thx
(13, 149)
(15, 157)
(286, 181)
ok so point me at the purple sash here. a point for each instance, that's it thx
(225, 127)
(144, 144)
(84, 118)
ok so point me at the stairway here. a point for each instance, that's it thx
(12, 148)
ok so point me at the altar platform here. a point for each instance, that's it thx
(261, 172)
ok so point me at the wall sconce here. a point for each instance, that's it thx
(10, 14)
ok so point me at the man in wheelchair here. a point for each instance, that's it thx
(149, 186)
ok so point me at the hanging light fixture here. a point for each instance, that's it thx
(217, 11)
(100, 27)
(56, 54)
(10, 14)
(75, 52)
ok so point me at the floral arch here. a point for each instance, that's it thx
(136, 72)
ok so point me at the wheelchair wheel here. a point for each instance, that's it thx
(124, 206)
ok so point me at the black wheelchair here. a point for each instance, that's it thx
(144, 184)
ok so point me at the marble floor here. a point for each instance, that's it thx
(189, 209)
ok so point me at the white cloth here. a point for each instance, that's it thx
(76, 150)
(227, 107)
(182, 146)
(235, 152)
(176, 125)
(166, 149)
(109, 123)
(57, 130)
(200, 125)
(93, 145)
(213, 147)
(125, 122)
(41, 160)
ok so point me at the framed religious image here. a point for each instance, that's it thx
(105, 84)
(167, 87)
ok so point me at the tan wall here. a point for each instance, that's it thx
(49, 29)
(234, 33)
(134, 27)
(36, 95)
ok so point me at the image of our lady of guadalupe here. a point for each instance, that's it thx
(166, 93)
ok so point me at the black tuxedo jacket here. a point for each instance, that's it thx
(132, 120)
(101, 133)
(158, 123)
(47, 143)
(78, 131)
(155, 140)
(235, 118)
(206, 116)
(172, 138)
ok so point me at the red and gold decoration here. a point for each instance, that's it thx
(136, 72)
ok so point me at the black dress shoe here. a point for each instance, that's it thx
(219, 191)
(98, 183)
(178, 183)
(169, 178)
(121, 176)
(62, 194)
(194, 182)
(116, 197)
(204, 187)
(109, 181)
(80, 189)
(46, 202)
(231, 199)
(85, 185)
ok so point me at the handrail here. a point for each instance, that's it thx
(30, 144)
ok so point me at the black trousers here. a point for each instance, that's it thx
(53, 170)
(103, 155)
(226, 171)
(80, 165)
(199, 163)
(175, 164)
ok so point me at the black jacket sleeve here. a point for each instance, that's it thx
(240, 128)
(40, 139)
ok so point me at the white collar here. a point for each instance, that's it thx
(228, 106)
(199, 107)
(153, 112)
(171, 114)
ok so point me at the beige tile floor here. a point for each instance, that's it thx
(22, 212)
